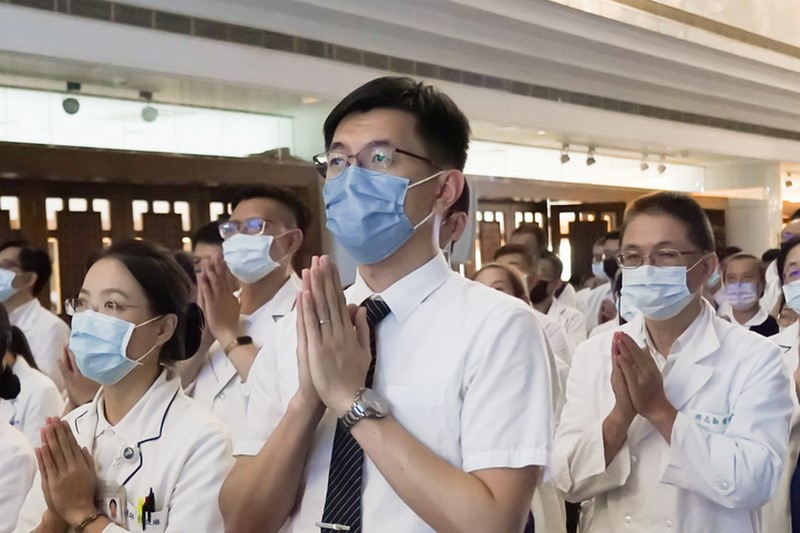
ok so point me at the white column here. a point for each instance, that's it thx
(752, 224)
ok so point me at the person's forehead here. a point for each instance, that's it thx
(358, 130)
(512, 258)
(491, 275)
(742, 265)
(109, 273)
(204, 250)
(648, 230)
(793, 256)
(12, 252)
(265, 208)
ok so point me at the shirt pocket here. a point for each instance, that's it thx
(712, 421)
(156, 521)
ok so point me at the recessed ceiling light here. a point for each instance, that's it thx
(507, 127)
(541, 132)
(308, 100)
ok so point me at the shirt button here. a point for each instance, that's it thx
(634, 458)
(669, 524)
(723, 486)
(628, 520)
(221, 396)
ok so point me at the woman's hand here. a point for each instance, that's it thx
(80, 390)
(68, 477)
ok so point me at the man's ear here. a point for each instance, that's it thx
(451, 185)
(459, 222)
(28, 280)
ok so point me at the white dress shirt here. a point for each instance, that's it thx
(589, 303)
(166, 444)
(727, 445)
(38, 398)
(776, 514)
(47, 336)
(218, 387)
(726, 311)
(17, 470)
(773, 290)
(464, 368)
(573, 322)
(568, 296)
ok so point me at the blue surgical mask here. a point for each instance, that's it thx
(659, 293)
(791, 291)
(714, 279)
(6, 279)
(100, 342)
(626, 310)
(598, 271)
(741, 296)
(366, 214)
(247, 256)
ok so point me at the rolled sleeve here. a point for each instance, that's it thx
(506, 414)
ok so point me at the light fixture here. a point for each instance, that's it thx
(70, 103)
(662, 165)
(564, 154)
(149, 113)
(590, 160)
(643, 166)
(541, 132)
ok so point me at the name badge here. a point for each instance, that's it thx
(113, 501)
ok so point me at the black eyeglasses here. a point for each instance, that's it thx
(663, 257)
(332, 163)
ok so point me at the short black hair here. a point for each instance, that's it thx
(32, 259)
(167, 289)
(531, 228)
(613, 235)
(208, 234)
(785, 249)
(516, 249)
(731, 250)
(679, 206)
(282, 195)
(513, 275)
(186, 262)
(558, 265)
(795, 215)
(440, 124)
(461, 205)
(770, 255)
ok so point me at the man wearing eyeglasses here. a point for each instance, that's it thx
(416, 400)
(678, 420)
(265, 230)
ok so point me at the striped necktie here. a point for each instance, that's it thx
(343, 498)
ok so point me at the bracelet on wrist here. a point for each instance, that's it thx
(88, 520)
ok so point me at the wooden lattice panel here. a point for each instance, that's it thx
(79, 239)
(166, 229)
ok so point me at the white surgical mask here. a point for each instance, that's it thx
(791, 291)
(597, 270)
(660, 293)
(247, 256)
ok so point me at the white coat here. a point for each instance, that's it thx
(218, 386)
(589, 302)
(179, 451)
(38, 398)
(572, 320)
(727, 445)
(776, 513)
(17, 469)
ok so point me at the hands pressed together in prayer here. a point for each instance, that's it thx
(333, 352)
(215, 296)
(638, 385)
(69, 481)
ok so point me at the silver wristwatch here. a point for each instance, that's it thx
(368, 404)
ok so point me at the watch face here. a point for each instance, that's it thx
(374, 403)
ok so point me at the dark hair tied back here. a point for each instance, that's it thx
(195, 324)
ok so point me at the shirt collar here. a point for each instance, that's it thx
(145, 419)
(282, 303)
(700, 334)
(727, 311)
(405, 295)
(23, 310)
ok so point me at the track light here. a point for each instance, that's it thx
(590, 160)
(662, 166)
(564, 154)
(643, 166)
(70, 103)
(149, 113)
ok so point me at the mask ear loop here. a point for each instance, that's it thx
(281, 260)
(148, 352)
